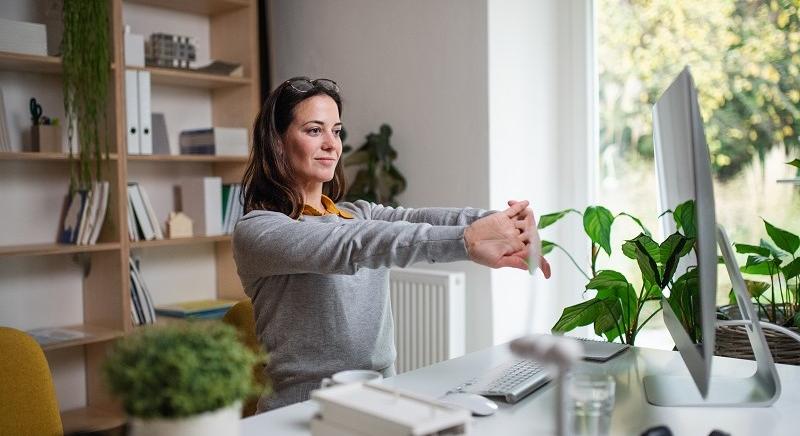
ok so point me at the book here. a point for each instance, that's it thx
(151, 213)
(196, 309)
(101, 213)
(140, 295)
(5, 139)
(71, 218)
(220, 141)
(140, 211)
(23, 37)
(52, 335)
(89, 212)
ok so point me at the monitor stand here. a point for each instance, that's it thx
(758, 390)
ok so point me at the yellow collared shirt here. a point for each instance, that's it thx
(330, 208)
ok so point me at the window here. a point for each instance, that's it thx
(745, 59)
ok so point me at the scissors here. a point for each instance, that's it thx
(36, 111)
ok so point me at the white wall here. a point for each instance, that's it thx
(420, 66)
(540, 124)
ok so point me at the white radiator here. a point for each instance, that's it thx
(429, 316)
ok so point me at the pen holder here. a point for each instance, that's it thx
(46, 138)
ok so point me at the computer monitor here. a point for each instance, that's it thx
(683, 172)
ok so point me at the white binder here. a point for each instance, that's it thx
(132, 110)
(201, 198)
(145, 120)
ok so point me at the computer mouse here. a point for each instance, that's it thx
(478, 405)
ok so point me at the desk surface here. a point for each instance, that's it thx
(535, 414)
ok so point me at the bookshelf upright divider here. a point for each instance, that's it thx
(234, 101)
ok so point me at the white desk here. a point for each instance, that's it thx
(534, 414)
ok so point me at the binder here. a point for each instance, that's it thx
(201, 198)
(145, 120)
(132, 110)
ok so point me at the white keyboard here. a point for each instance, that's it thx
(512, 380)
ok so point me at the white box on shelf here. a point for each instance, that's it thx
(201, 198)
(134, 50)
(23, 37)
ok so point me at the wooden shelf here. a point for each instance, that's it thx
(96, 334)
(180, 241)
(204, 7)
(48, 249)
(191, 79)
(39, 156)
(187, 158)
(86, 419)
(795, 181)
(29, 63)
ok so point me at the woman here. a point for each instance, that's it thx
(316, 270)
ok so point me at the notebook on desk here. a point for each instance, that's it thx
(601, 351)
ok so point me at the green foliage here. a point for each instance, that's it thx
(377, 180)
(181, 370)
(777, 259)
(616, 307)
(86, 72)
(745, 58)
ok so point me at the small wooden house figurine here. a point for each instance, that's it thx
(179, 225)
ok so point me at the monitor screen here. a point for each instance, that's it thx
(685, 187)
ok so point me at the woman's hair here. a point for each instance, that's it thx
(269, 181)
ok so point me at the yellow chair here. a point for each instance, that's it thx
(242, 317)
(28, 404)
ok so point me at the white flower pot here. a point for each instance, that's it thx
(221, 422)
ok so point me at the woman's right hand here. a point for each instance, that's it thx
(499, 240)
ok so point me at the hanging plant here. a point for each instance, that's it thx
(86, 63)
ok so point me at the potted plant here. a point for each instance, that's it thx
(86, 64)
(377, 180)
(183, 379)
(615, 306)
(776, 295)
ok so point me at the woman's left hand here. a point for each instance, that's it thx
(526, 222)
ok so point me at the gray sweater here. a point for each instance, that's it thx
(320, 285)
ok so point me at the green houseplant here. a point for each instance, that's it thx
(85, 57)
(183, 379)
(616, 307)
(377, 179)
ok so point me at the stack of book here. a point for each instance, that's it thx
(83, 215)
(142, 311)
(220, 141)
(232, 206)
(202, 309)
(142, 221)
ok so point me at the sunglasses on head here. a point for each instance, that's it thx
(305, 85)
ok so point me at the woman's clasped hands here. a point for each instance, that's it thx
(504, 239)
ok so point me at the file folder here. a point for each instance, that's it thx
(132, 110)
(145, 120)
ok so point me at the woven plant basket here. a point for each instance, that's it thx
(732, 341)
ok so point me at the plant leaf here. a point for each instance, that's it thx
(550, 218)
(672, 250)
(777, 253)
(578, 315)
(645, 251)
(758, 265)
(685, 217)
(637, 221)
(792, 269)
(797, 319)
(751, 249)
(597, 222)
(681, 299)
(608, 318)
(653, 293)
(607, 279)
(626, 297)
(547, 247)
(795, 163)
(786, 241)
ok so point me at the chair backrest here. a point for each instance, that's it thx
(242, 316)
(28, 403)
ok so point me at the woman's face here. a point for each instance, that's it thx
(312, 140)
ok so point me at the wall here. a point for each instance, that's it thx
(540, 123)
(421, 67)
